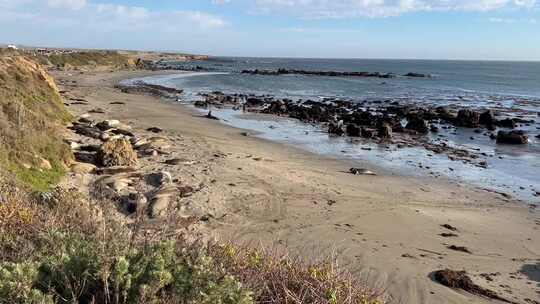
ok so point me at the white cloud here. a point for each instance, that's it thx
(70, 4)
(513, 20)
(91, 23)
(381, 8)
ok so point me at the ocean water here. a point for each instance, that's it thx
(510, 88)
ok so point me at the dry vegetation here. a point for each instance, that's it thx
(31, 112)
(88, 59)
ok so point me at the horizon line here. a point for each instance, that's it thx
(275, 57)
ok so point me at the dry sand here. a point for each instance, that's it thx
(384, 228)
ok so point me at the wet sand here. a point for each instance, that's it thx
(386, 228)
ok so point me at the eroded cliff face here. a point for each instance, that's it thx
(31, 118)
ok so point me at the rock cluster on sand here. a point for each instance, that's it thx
(115, 162)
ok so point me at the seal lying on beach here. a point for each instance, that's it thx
(360, 171)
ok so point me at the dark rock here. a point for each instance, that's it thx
(459, 248)
(487, 118)
(449, 227)
(417, 124)
(420, 75)
(506, 123)
(460, 280)
(512, 138)
(385, 131)
(445, 234)
(367, 133)
(468, 118)
(445, 114)
(154, 130)
(353, 130)
(434, 129)
(283, 71)
(201, 104)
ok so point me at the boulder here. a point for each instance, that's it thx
(353, 130)
(468, 118)
(385, 131)
(444, 114)
(512, 137)
(417, 124)
(117, 152)
(487, 118)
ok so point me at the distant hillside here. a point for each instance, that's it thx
(88, 59)
(31, 113)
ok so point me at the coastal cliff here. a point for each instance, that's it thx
(31, 117)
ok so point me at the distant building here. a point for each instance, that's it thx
(13, 47)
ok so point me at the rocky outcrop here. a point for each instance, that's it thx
(149, 89)
(512, 137)
(318, 73)
(116, 152)
(487, 118)
(417, 75)
(468, 118)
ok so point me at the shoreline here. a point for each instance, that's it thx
(425, 156)
(285, 195)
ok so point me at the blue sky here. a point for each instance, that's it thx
(425, 29)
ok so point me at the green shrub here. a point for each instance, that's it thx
(83, 271)
(17, 285)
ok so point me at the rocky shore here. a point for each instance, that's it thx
(388, 122)
(148, 155)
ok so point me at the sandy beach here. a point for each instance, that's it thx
(385, 228)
